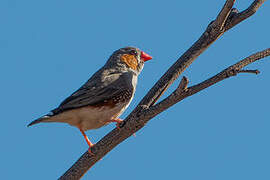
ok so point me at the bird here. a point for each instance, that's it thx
(104, 97)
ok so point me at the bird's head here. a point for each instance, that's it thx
(129, 59)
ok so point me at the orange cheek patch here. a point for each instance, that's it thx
(130, 60)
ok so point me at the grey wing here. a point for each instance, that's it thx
(96, 93)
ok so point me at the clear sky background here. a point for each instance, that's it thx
(49, 48)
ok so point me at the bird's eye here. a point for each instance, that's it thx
(134, 52)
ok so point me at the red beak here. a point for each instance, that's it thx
(145, 57)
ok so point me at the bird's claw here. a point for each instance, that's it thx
(90, 151)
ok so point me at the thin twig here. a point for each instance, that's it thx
(256, 71)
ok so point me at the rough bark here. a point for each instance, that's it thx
(147, 108)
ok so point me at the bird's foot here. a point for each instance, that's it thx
(90, 151)
(90, 146)
(118, 122)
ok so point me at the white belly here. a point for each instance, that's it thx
(89, 117)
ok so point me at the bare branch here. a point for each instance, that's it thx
(146, 109)
(256, 71)
(224, 13)
(233, 70)
(252, 9)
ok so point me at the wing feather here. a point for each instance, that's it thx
(93, 94)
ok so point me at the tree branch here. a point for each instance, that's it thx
(142, 113)
(181, 93)
(224, 13)
(239, 17)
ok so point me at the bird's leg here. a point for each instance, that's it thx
(87, 141)
(118, 122)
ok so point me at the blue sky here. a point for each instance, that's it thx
(50, 48)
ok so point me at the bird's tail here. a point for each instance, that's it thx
(39, 120)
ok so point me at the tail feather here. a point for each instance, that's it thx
(39, 120)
